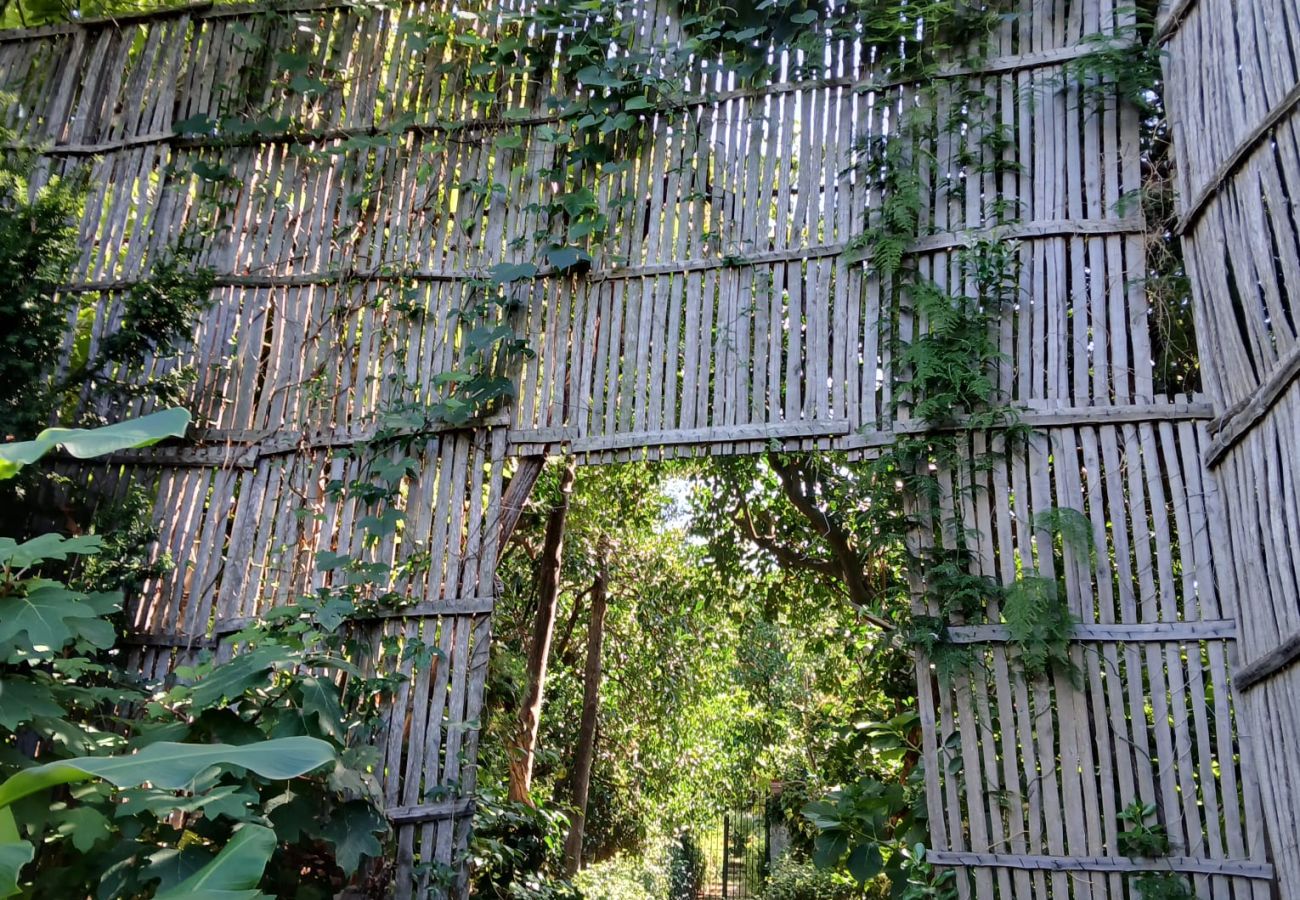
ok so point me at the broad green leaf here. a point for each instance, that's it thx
(507, 273)
(50, 617)
(47, 546)
(234, 872)
(13, 856)
(23, 699)
(865, 862)
(352, 829)
(175, 767)
(564, 258)
(84, 443)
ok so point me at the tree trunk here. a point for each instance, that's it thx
(524, 750)
(587, 733)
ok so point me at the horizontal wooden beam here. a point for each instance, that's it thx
(430, 812)
(1204, 630)
(526, 441)
(245, 448)
(1002, 65)
(1271, 663)
(173, 640)
(1219, 179)
(1241, 418)
(1241, 868)
(204, 10)
(934, 243)
(1171, 18)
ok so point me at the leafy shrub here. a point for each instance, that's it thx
(132, 788)
(623, 878)
(685, 866)
(517, 851)
(793, 879)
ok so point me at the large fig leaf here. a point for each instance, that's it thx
(50, 617)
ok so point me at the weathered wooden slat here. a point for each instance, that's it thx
(1207, 630)
(1280, 658)
(1241, 868)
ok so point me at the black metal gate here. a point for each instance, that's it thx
(735, 852)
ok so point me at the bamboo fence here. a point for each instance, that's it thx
(1233, 95)
(730, 312)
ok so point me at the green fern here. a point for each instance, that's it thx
(1039, 626)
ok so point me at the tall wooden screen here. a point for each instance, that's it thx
(731, 309)
(1233, 92)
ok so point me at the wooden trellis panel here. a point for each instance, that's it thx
(729, 309)
(1233, 90)
(244, 535)
(1031, 777)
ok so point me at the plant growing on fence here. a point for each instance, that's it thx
(150, 789)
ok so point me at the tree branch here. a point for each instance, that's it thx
(798, 484)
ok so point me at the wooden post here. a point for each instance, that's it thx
(548, 593)
(587, 733)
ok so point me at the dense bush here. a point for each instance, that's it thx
(685, 866)
(517, 851)
(624, 877)
(793, 879)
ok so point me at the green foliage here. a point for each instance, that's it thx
(685, 866)
(156, 318)
(794, 879)
(147, 789)
(863, 827)
(38, 245)
(623, 877)
(1040, 625)
(517, 851)
(1144, 838)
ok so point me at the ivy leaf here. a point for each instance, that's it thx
(320, 698)
(327, 560)
(334, 612)
(564, 258)
(352, 831)
(638, 103)
(508, 273)
(208, 172)
(231, 679)
(199, 124)
(596, 76)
